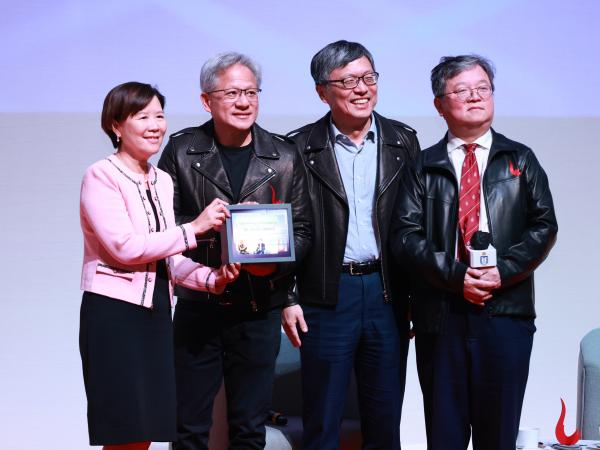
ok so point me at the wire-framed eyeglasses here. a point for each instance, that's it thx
(351, 82)
(463, 94)
(233, 94)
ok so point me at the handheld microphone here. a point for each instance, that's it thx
(481, 251)
(277, 418)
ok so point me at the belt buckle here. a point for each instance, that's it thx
(352, 270)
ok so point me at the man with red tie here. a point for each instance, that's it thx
(474, 326)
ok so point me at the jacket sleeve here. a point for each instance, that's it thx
(302, 218)
(103, 207)
(301, 210)
(192, 275)
(186, 272)
(522, 258)
(168, 163)
(409, 243)
(414, 148)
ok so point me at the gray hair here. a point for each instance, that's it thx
(209, 75)
(450, 66)
(334, 55)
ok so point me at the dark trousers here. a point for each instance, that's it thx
(473, 378)
(360, 333)
(213, 343)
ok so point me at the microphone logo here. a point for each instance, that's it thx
(481, 251)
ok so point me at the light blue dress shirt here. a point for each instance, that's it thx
(358, 168)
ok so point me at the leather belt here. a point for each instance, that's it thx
(362, 268)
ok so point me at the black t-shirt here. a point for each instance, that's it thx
(235, 161)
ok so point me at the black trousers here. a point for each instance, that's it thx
(213, 343)
(473, 378)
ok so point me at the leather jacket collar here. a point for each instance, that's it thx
(204, 141)
(437, 156)
(321, 157)
(209, 162)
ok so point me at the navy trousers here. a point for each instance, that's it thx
(359, 334)
(473, 378)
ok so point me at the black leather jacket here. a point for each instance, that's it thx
(318, 277)
(275, 173)
(520, 216)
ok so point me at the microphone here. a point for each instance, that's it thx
(277, 418)
(481, 251)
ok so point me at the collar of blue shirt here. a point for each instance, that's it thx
(338, 137)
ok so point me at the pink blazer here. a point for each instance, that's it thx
(121, 246)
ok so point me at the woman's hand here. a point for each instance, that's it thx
(212, 217)
(226, 274)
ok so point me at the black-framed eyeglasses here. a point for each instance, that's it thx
(351, 82)
(463, 94)
(232, 94)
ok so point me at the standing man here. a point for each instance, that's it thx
(345, 318)
(234, 336)
(474, 327)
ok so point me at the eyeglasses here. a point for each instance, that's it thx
(351, 82)
(463, 94)
(231, 95)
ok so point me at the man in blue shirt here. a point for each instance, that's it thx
(348, 288)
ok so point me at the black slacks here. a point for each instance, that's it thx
(473, 378)
(213, 343)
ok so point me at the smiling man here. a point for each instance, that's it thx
(474, 326)
(347, 287)
(234, 336)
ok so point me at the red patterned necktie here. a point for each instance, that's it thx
(468, 202)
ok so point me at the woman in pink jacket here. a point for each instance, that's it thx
(132, 259)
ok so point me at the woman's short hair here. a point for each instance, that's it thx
(124, 101)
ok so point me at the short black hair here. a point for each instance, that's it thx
(124, 101)
(334, 55)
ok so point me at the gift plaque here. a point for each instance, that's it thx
(258, 234)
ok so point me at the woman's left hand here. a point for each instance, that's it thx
(226, 274)
(212, 217)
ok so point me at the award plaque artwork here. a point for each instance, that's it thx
(258, 233)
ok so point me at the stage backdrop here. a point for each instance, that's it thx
(59, 59)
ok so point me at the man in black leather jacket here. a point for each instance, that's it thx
(347, 283)
(234, 336)
(474, 327)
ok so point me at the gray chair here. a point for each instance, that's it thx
(588, 386)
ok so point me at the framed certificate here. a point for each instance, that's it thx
(257, 234)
